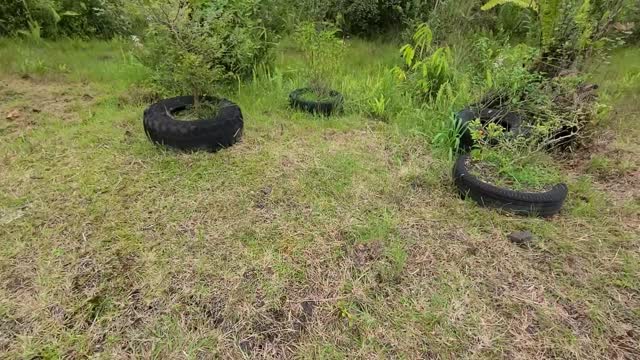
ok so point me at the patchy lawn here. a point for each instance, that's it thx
(313, 238)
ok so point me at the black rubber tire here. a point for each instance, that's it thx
(325, 108)
(511, 121)
(544, 204)
(224, 130)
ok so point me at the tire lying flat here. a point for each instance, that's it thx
(219, 132)
(544, 204)
(325, 108)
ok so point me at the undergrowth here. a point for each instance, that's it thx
(335, 237)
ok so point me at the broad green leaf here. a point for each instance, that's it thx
(527, 4)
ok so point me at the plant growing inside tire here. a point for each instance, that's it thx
(518, 182)
(323, 51)
(197, 48)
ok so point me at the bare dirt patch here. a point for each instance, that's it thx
(23, 102)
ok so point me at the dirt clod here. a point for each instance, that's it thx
(13, 114)
(367, 253)
(521, 238)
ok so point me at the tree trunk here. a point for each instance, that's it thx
(196, 100)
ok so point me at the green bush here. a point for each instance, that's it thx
(568, 31)
(55, 18)
(322, 50)
(373, 17)
(197, 49)
(365, 16)
(504, 68)
(428, 71)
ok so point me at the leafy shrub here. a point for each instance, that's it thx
(556, 112)
(429, 72)
(197, 49)
(504, 68)
(94, 18)
(322, 50)
(54, 18)
(568, 30)
(373, 17)
(361, 17)
(368, 16)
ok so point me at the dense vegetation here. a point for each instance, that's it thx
(337, 237)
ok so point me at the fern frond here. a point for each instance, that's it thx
(423, 38)
(408, 53)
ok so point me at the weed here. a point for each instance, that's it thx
(322, 50)
(31, 67)
(378, 108)
(428, 72)
(531, 172)
(449, 137)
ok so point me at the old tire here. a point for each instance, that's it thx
(325, 108)
(219, 132)
(542, 204)
(511, 121)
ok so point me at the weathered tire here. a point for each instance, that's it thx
(220, 132)
(511, 121)
(325, 108)
(542, 204)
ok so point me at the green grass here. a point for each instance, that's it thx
(337, 237)
(525, 172)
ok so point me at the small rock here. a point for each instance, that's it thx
(521, 237)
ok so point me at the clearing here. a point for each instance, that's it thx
(313, 238)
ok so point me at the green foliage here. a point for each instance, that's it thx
(549, 20)
(517, 170)
(359, 16)
(527, 4)
(449, 20)
(486, 135)
(586, 25)
(199, 48)
(569, 30)
(34, 33)
(449, 136)
(322, 49)
(367, 17)
(55, 18)
(504, 68)
(378, 108)
(428, 71)
(375, 17)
